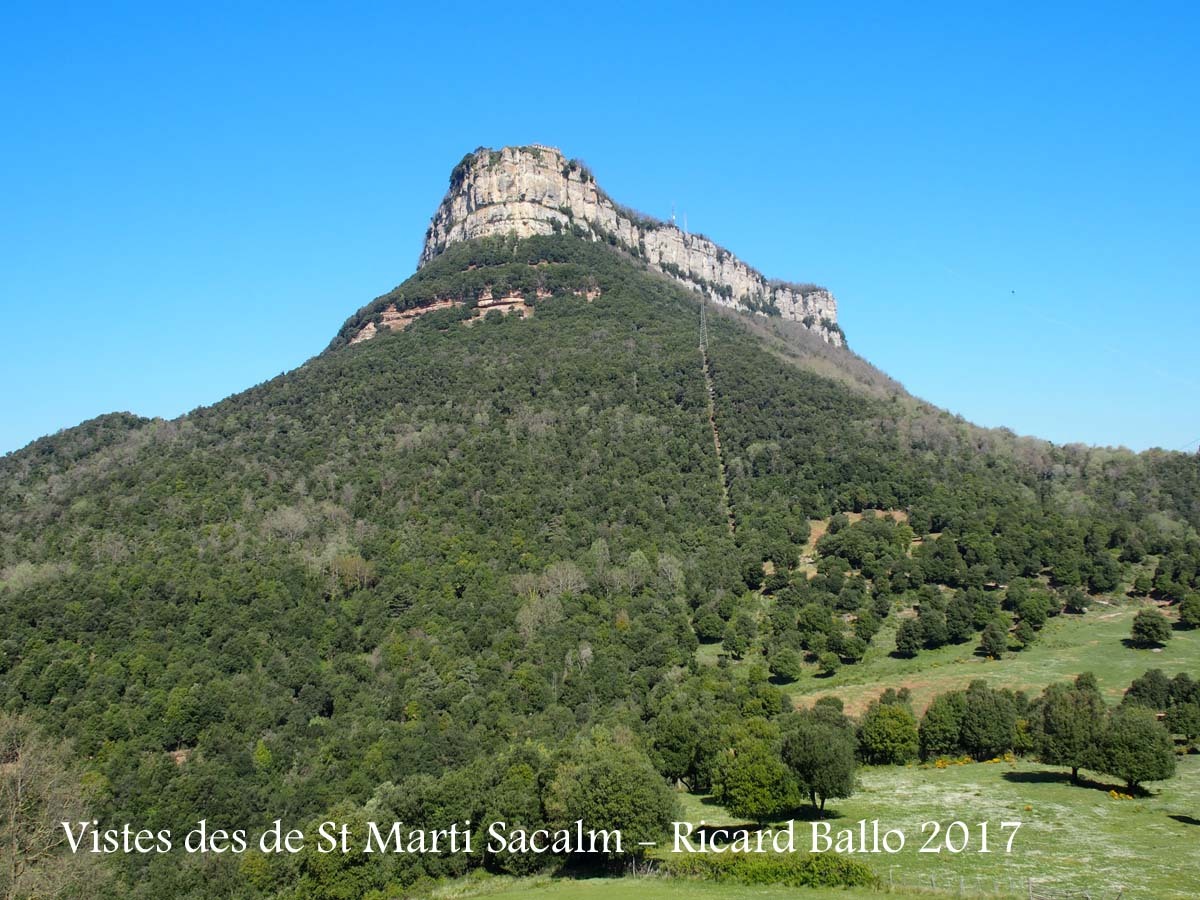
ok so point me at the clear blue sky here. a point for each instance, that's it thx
(1005, 200)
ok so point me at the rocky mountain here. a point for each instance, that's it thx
(560, 518)
(535, 190)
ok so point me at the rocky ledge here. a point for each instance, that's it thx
(536, 190)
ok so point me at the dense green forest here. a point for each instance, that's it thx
(462, 572)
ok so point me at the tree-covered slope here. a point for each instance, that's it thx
(433, 558)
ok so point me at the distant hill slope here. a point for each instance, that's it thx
(502, 521)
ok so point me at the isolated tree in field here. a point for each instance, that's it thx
(1150, 629)
(891, 695)
(993, 642)
(1135, 747)
(828, 663)
(1075, 600)
(786, 664)
(1068, 721)
(821, 757)
(908, 638)
(752, 781)
(887, 734)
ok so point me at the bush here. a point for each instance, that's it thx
(1135, 748)
(1150, 629)
(752, 781)
(821, 756)
(828, 663)
(1076, 601)
(786, 664)
(908, 638)
(993, 643)
(827, 870)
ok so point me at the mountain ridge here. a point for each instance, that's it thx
(411, 570)
(535, 190)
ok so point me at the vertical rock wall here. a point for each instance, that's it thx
(536, 190)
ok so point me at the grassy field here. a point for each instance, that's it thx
(632, 889)
(1067, 646)
(1072, 839)
(1077, 838)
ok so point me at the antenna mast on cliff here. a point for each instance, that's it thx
(685, 232)
(672, 215)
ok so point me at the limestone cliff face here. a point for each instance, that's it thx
(536, 190)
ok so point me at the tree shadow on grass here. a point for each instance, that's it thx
(1186, 820)
(586, 866)
(1057, 778)
(746, 830)
(807, 813)
(1131, 644)
(804, 813)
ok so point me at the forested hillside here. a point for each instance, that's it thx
(457, 571)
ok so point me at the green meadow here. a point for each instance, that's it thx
(1072, 837)
(1068, 645)
(1074, 840)
(633, 889)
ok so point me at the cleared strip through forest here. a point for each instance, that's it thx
(711, 395)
